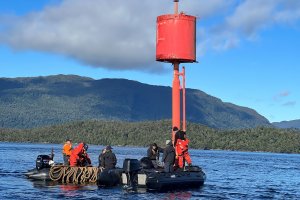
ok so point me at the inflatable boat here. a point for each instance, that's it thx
(42, 169)
(45, 170)
(41, 175)
(141, 174)
(134, 174)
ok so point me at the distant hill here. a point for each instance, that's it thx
(39, 101)
(287, 124)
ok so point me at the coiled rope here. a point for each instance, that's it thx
(67, 174)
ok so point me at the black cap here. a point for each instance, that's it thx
(175, 128)
(85, 146)
(68, 140)
(108, 147)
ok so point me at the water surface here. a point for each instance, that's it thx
(230, 175)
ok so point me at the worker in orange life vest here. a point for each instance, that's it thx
(182, 146)
(67, 150)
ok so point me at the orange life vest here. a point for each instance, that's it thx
(182, 146)
(67, 149)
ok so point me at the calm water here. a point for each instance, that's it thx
(230, 175)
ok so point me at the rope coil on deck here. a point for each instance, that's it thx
(67, 174)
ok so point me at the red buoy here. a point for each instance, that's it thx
(176, 38)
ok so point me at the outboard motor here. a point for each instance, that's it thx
(131, 168)
(42, 161)
(146, 163)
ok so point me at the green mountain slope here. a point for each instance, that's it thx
(39, 101)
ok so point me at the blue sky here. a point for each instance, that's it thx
(248, 50)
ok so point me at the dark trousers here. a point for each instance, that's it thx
(66, 159)
(154, 162)
(168, 167)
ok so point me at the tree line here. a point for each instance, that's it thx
(97, 132)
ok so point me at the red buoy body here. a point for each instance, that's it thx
(176, 38)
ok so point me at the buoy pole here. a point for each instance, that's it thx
(176, 99)
(176, 90)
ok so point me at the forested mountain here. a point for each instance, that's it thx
(39, 101)
(144, 133)
(287, 124)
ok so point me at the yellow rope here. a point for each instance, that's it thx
(94, 175)
(67, 174)
(56, 173)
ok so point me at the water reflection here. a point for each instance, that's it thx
(179, 196)
(43, 184)
(70, 190)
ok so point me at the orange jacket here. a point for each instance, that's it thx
(67, 149)
(182, 146)
(79, 157)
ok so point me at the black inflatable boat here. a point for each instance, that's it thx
(133, 175)
(137, 173)
(41, 171)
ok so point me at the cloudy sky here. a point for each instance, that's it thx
(248, 50)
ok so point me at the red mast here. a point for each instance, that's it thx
(176, 43)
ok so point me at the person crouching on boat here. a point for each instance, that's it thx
(153, 153)
(67, 150)
(169, 157)
(79, 156)
(108, 159)
(182, 148)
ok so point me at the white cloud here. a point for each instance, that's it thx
(290, 103)
(281, 95)
(113, 34)
(248, 18)
(120, 34)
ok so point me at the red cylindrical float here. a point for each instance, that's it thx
(176, 38)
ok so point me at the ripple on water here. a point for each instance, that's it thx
(230, 175)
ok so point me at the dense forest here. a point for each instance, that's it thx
(143, 133)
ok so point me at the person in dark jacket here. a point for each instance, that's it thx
(169, 157)
(100, 156)
(179, 135)
(153, 153)
(108, 160)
